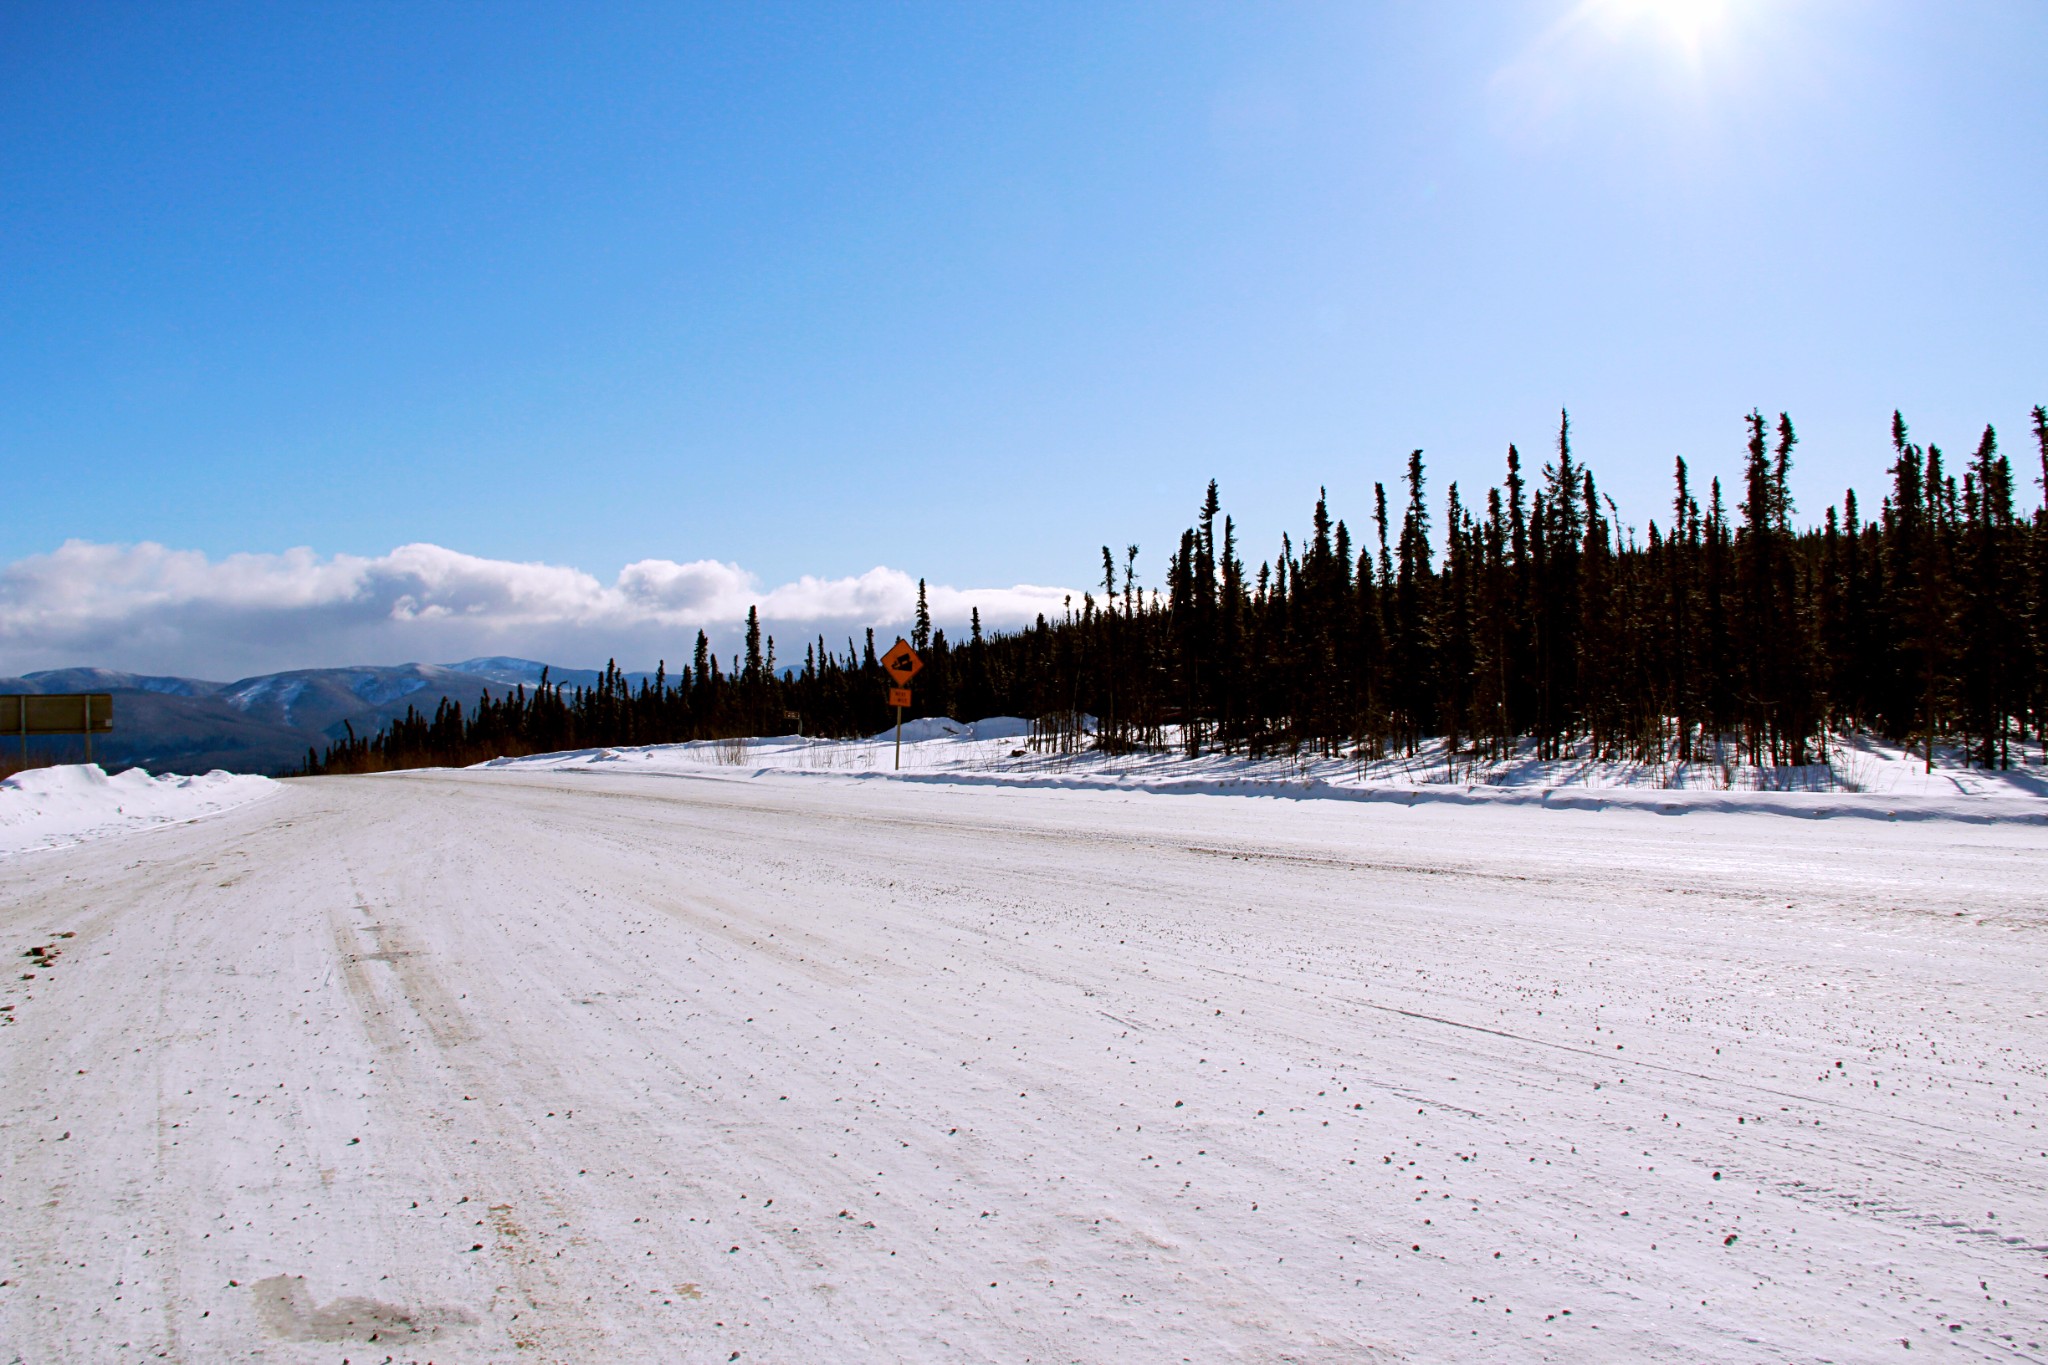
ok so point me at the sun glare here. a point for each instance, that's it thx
(1688, 25)
(1680, 52)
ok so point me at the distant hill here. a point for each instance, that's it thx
(266, 723)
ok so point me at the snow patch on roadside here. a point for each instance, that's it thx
(926, 728)
(55, 807)
(1861, 778)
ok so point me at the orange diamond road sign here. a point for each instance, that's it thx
(899, 696)
(901, 662)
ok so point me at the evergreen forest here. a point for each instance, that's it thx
(1527, 617)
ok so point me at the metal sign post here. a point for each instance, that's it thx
(56, 713)
(902, 664)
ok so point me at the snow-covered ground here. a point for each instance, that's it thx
(728, 1065)
(52, 807)
(1861, 777)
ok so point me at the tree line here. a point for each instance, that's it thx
(1528, 616)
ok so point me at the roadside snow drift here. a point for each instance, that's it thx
(604, 1065)
(1860, 778)
(52, 807)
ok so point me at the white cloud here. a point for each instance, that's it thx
(148, 608)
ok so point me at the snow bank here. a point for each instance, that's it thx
(943, 727)
(52, 807)
(1861, 778)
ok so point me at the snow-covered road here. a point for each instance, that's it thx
(492, 1065)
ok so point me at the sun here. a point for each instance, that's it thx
(1688, 25)
(1679, 51)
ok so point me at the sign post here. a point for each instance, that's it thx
(56, 713)
(902, 664)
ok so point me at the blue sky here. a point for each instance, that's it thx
(965, 291)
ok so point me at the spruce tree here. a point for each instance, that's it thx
(1544, 619)
(2037, 598)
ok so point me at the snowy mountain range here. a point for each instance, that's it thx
(266, 723)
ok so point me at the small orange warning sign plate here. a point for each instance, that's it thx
(899, 696)
(901, 662)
